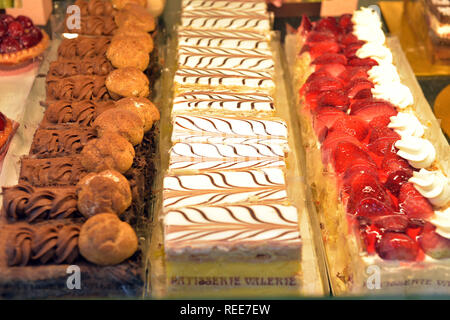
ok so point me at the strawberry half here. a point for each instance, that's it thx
(323, 84)
(373, 110)
(397, 246)
(317, 36)
(357, 85)
(347, 153)
(366, 186)
(411, 202)
(380, 121)
(330, 57)
(368, 62)
(345, 23)
(332, 69)
(327, 24)
(305, 25)
(382, 140)
(393, 222)
(336, 98)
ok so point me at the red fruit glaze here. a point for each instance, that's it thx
(364, 186)
(337, 99)
(393, 222)
(26, 22)
(434, 244)
(305, 25)
(316, 36)
(9, 45)
(323, 84)
(412, 203)
(332, 69)
(3, 29)
(380, 121)
(345, 154)
(15, 29)
(356, 85)
(396, 179)
(328, 57)
(345, 23)
(362, 62)
(327, 24)
(371, 111)
(2, 122)
(6, 18)
(397, 246)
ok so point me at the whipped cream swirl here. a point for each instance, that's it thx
(395, 92)
(441, 220)
(376, 51)
(406, 124)
(419, 152)
(383, 73)
(433, 185)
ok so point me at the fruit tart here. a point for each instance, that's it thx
(378, 172)
(20, 40)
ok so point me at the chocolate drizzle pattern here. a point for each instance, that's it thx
(64, 171)
(224, 77)
(211, 188)
(241, 164)
(65, 68)
(239, 6)
(229, 226)
(44, 244)
(83, 47)
(49, 143)
(24, 202)
(223, 39)
(82, 113)
(199, 57)
(95, 26)
(78, 88)
(208, 21)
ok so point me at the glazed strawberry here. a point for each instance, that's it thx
(350, 73)
(9, 45)
(434, 244)
(412, 203)
(350, 50)
(316, 49)
(382, 140)
(345, 23)
(320, 73)
(25, 22)
(332, 140)
(320, 129)
(316, 36)
(369, 62)
(328, 115)
(350, 38)
(396, 179)
(371, 208)
(332, 69)
(392, 162)
(28, 41)
(380, 121)
(327, 24)
(371, 235)
(336, 98)
(6, 18)
(3, 29)
(351, 125)
(330, 57)
(356, 85)
(323, 84)
(393, 222)
(355, 171)
(36, 33)
(373, 110)
(366, 186)
(15, 29)
(345, 154)
(397, 246)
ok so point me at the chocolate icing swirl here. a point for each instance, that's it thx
(95, 26)
(65, 68)
(82, 112)
(49, 243)
(49, 143)
(83, 47)
(25, 202)
(78, 88)
(18, 251)
(64, 171)
(95, 7)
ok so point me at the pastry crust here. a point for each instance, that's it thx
(146, 110)
(105, 240)
(120, 4)
(107, 191)
(127, 52)
(140, 37)
(25, 54)
(128, 82)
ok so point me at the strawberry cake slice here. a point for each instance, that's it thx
(380, 185)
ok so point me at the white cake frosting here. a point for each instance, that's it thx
(231, 225)
(406, 124)
(383, 73)
(441, 220)
(223, 100)
(433, 185)
(419, 152)
(236, 6)
(224, 77)
(224, 187)
(224, 39)
(202, 57)
(225, 20)
(187, 165)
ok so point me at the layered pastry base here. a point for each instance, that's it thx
(381, 188)
(85, 190)
(229, 226)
